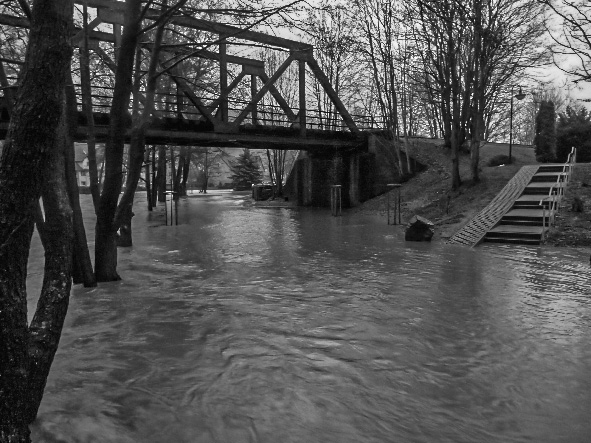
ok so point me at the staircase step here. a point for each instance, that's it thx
(533, 200)
(513, 241)
(524, 214)
(542, 188)
(548, 177)
(512, 231)
(551, 167)
(521, 222)
(528, 206)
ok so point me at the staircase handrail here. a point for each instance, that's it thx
(554, 198)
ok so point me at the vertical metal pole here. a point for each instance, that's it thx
(154, 184)
(253, 92)
(394, 193)
(223, 79)
(399, 206)
(171, 182)
(302, 86)
(511, 128)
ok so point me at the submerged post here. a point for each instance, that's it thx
(395, 204)
(174, 214)
(336, 208)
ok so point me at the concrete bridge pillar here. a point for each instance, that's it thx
(314, 174)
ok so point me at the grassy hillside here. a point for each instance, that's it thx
(429, 193)
(572, 228)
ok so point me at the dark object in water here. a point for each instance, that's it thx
(419, 229)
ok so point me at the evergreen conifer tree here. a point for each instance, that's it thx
(545, 138)
(245, 171)
(574, 129)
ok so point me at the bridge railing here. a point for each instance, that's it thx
(266, 114)
(166, 106)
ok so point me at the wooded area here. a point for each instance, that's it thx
(439, 69)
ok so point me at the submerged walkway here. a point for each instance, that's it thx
(486, 219)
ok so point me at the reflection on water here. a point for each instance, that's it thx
(274, 325)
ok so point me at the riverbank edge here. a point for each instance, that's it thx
(429, 193)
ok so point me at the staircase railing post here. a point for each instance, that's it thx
(543, 221)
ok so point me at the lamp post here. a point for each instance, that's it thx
(519, 96)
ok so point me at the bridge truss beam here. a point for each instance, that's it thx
(216, 112)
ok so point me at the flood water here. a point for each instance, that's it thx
(274, 325)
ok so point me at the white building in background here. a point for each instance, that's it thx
(81, 164)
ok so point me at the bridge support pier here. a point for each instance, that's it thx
(314, 175)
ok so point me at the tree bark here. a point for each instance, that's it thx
(82, 266)
(154, 193)
(26, 158)
(148, 180)
(46, 327)
(106, 229)
(124, 212)
(186, 170)
(161, 177)
(86, 92)
(178, 176)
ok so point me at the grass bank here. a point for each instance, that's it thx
(429, 194)
(572, 227)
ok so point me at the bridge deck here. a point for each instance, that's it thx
(486, 219)
(182, 132)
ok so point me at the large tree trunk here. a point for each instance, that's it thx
(148, 179)
(46, 327)
(154, 193)
(82, 266)
(106, 229)
(26, 158)
(178, 176)
(124, 212)
(186, 170)
(161, 177)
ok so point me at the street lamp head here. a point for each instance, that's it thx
(521, 95)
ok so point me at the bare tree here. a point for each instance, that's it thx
(32, 162)
(570, 30)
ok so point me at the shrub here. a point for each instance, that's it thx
(499, 160)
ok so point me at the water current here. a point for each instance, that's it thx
(246, 324)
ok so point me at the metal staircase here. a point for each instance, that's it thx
(533, 212)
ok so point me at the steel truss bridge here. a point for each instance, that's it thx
(245, 108)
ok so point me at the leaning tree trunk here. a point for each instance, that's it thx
(26, 159)
(124, 212)
(82, 271)
(106, 230)
(46, 328)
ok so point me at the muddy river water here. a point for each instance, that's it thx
(274, 325)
